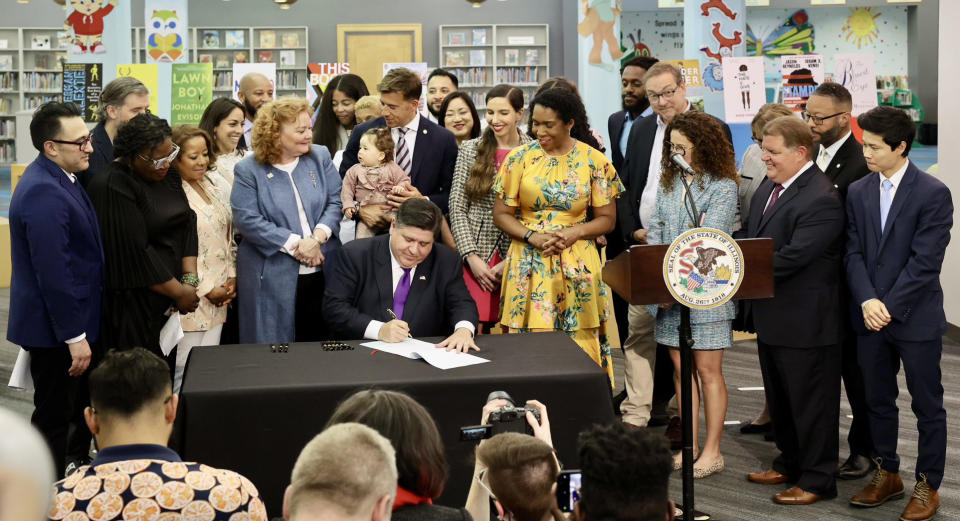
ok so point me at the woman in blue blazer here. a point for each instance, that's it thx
(286, 206)
(699, 138)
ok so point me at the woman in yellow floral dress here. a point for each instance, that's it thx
(552, 280)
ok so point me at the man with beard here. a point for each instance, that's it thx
(840, 156)
(635, 106)
(440, 84)
(121, 100)
(255, 90)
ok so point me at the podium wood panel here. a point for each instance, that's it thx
(637, 274)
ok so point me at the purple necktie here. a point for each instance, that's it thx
(400, 295)
(773, 199)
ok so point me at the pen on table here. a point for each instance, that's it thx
(394, 316)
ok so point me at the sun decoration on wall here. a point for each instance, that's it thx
(861, 27)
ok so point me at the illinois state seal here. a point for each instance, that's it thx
(703, 268)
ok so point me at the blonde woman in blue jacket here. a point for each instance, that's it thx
(699, 138)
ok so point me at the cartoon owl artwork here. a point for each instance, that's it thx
(164, 43)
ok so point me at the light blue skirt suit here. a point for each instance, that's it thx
(265, 214)
(717, 202)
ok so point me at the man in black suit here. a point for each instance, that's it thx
(636, 106)
(649, 382)
(121, 100)
(403, 274)
(798, 330)
(425, 150)
(840, 156)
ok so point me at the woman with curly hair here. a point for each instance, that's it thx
(565, 192)
(286, 205)
(581, 130)
(149, 237)
(699, 139)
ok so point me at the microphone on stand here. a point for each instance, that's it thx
(692, 212)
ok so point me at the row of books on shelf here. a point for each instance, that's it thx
(40, 61)
(892, 82)
(223, 80)
(281, 58)
(460, 58)
(8, 128)
(237, 39)
(517, 75)
(223, 61)
(6, 107)
(290, 80)
(8, 81)
(32, 102)
(512, 57)
(474, 76)
(460, 37)
(6, 152)
(42, 80)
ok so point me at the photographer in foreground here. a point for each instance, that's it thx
(518, 471)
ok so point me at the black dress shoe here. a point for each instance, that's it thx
(855, 467)
(674, 433)
(756, 428)
(768, 436)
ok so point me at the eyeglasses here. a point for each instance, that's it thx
(676, 148)
(816, 119)
(484, 485)
(163, 162)
(665, 95)
(80, 143)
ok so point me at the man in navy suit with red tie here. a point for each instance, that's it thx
(899, 221)
(423, 149)
(55, 291)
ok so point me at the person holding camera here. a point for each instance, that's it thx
(518, 471)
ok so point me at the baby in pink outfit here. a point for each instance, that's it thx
(372, 179)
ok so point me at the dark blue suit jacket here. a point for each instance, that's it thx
(900, 265)
(434, 156)
(102, 154)
(57, 255)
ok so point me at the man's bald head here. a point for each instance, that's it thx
(255, 90)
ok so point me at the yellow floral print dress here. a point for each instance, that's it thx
(562, 292)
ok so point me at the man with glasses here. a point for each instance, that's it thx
(58, 266)
(121, 100)
(840, 157)
(131, 413)
(649, 384)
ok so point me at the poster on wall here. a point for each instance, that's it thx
(743, 88)
(318, 76)
(242, 69)
(82, 83)
(145, 72)
(800, 77)
(652, 33)
(419, 68)
(191, 90)
(166, 32)
(96, 31)
(690, 70)
(857, 73)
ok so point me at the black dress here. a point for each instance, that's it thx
(147, 228)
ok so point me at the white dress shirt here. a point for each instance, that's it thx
(826, 153)
(304, 223)
(373, 328)
(648, 199)
(81, 336)
(248, 133)
(786, 184)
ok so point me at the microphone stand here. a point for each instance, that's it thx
(686, 362)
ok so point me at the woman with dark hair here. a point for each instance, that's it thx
(552, 279)
(459, 115)
(335, 117)
(216, 251)
(222, 120)
(421, 462)
(149, 237)
(581, 130)
(699, 138)
(482, 245)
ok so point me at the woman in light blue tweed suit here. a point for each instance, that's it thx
(699, 138)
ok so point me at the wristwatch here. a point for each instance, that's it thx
(526, 236)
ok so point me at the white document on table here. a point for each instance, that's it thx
(171, 334)
(430, 353)
(20, 377)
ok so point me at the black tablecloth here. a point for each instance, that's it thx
(250, 410)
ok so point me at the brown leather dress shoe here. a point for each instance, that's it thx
(674, 433)
(796, 496)
(767, 477)
(924, 503)
(883, 487)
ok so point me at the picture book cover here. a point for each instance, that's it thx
(223, 61)
(236, 38)
(204, 58)
(511, 57)
(457, 38)
(288, 58)
(456, 59)
(265, 56)
(210, 39)
(291, 39)
(479, 36)
(268, 39)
